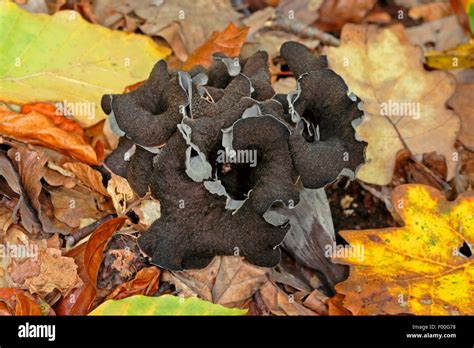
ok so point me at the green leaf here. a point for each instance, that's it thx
(163, 305)
(65, 58)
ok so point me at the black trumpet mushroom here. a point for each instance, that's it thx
(219, 148)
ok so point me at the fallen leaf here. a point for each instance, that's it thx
(464, 10)
(19, 302)
(58, 118)
(404, 105)
(316, 302)
(148, 211)
(163, 305)
(36, 128)
(79, 300)
(89, 60)
(333, 14)
(227, 280)
(431, 11)
(460, 57)
(408, 171)
(72, 205)
(228, 42)
(335, 306)
(88, 176)
(462, 103)
(88, 257)
(56, 273)
(120, 192)
(418, 268)
(192, 16)
(121, 260)
(144, 283)
(271, 41)
(30, 165)
(55, 178)
(279, 303)
(28, 216)
(437, 35)
(305, 11)
(93, 254)
(33, 265)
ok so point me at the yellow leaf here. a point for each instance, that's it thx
(418, 268)
(403, 103)
(460, 57)
(64, 58)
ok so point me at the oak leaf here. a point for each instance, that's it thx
(422, 268)
(462, 103)
(404, 105)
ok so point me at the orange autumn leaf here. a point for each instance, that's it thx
(93, 254)
(18, 302)
(88, 257)
(229, 42)
(52, 112)
(37, 128)
(419, 268)
(144, 283)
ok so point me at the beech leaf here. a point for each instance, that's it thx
(64, 58)
(163, 305)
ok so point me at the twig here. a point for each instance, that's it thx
(302, 29)
(81, 233)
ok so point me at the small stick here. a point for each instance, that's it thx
(81, 233)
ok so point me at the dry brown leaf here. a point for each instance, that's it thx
(197, 18)
(462, 103)
(120, 192)
(431, 11)
(387, 73)
(148, 211)
(37, 128)
(144, 283)
(56, 273)
(70, 206)
(30, 165)
(335, 306)
(305, 11)
(333, 14)
(228, 280)
(55, 178)
(19, 302)
(228, 42)
(34, 266)
(316, 302)
(28, 216)
(439, 35)
(88, 176)
(279, 303)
